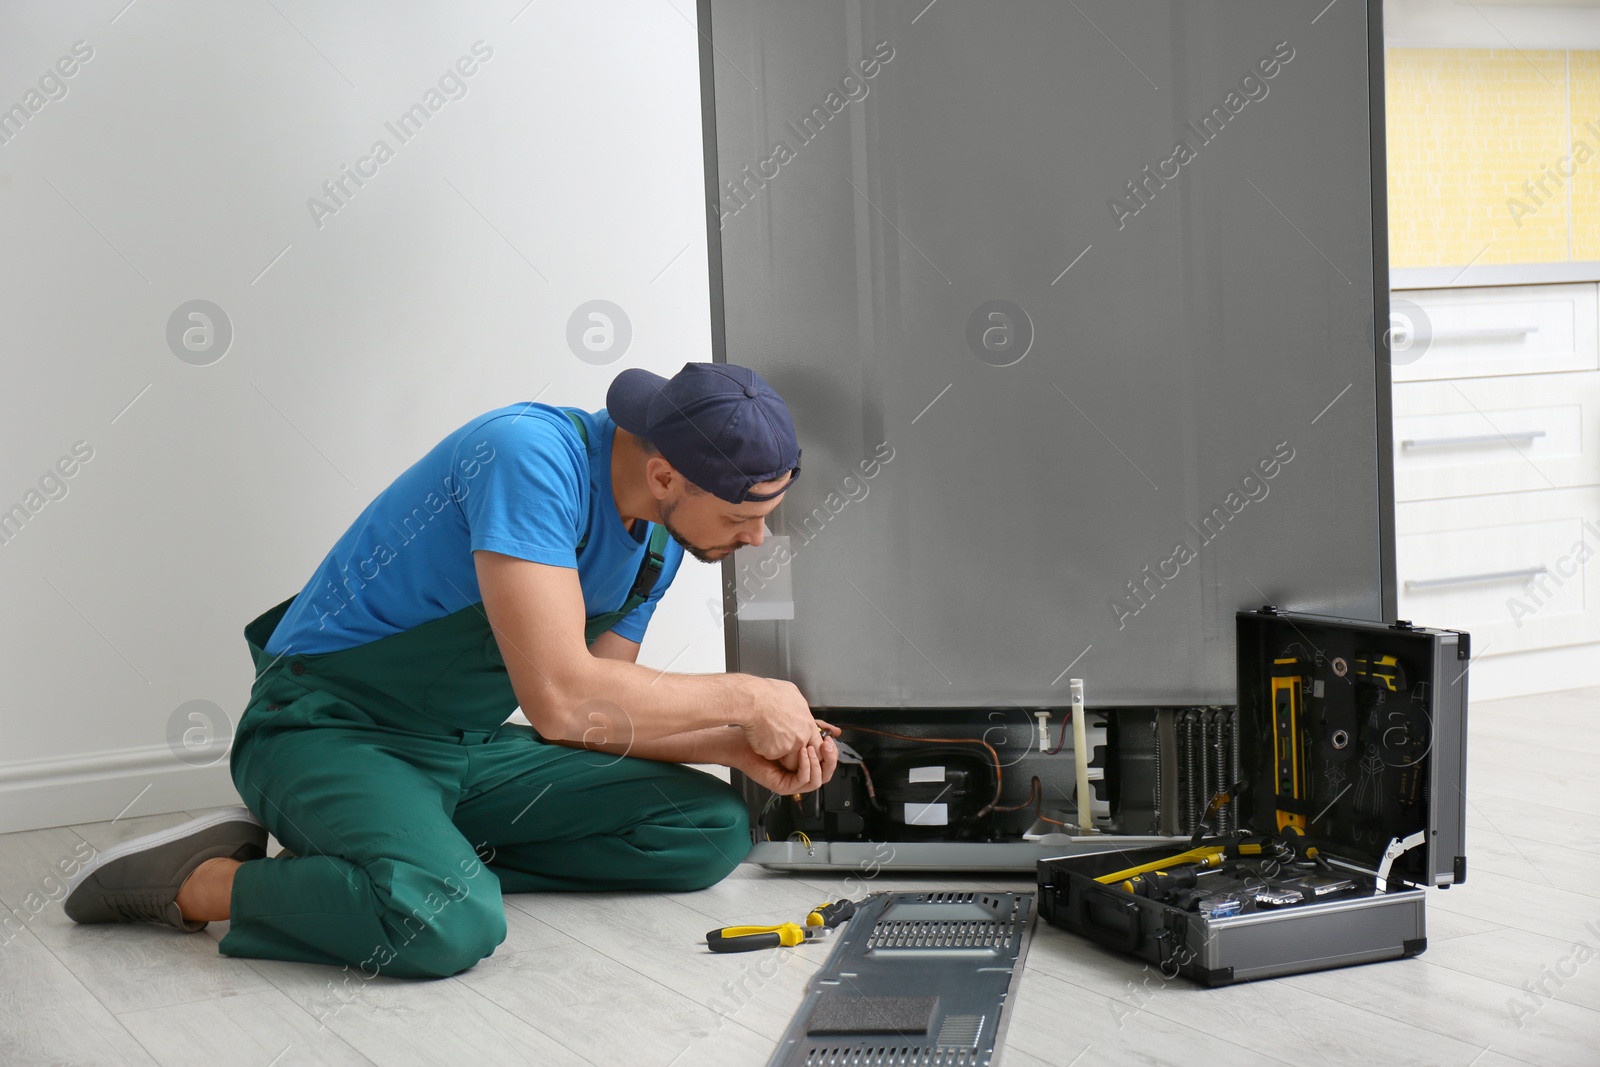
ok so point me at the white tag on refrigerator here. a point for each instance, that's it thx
(927, 814)
(926, 774)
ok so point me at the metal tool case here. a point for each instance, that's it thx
(1354, 732)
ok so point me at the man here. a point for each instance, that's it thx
(375, 746)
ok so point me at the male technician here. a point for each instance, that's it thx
(516, 564)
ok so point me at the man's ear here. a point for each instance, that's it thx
(658, 475)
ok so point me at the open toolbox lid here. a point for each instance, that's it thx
(1377, 715)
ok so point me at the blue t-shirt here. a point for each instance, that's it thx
(517, 480)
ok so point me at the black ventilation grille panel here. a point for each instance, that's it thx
(914, 980)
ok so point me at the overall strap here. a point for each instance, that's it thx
(583, 432)
(655, 558)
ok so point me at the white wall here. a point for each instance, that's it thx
(178, 166)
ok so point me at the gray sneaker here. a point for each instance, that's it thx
(138, 880)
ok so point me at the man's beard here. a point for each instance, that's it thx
(694, 550)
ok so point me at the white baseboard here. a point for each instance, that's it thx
(100, 786)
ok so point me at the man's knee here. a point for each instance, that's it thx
(447, 928)
(724, 820)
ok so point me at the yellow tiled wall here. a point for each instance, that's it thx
(1481, 143)
(1585, 79)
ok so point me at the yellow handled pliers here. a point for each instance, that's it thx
(749, 938)
(819, 922)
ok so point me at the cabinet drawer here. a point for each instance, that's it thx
(1496, 435)
(1505, 329)
(1517, 570)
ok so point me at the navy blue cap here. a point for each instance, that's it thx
(721, 425)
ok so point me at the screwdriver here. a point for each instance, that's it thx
(832, 913)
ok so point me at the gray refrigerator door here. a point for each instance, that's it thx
(1077, 307)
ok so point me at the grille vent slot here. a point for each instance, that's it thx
(836, 1055)
(940, 934)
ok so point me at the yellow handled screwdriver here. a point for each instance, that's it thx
(832, 913)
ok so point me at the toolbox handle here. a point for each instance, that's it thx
(1115, 939)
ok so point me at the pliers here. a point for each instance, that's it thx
(818, 923)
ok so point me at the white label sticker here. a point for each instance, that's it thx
(926, 774)
(927, 814)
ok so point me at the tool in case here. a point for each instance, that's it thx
(1352, 750)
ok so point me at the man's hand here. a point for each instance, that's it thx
(780, 725)
(816, 765)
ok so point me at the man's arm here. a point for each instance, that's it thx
(727, 747)
(715, 744)
(612, 645)
(536, 611)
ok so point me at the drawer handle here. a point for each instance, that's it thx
(1465, 579)
(1486, 333)
(1479, 439)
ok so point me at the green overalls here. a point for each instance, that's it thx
(410, 804)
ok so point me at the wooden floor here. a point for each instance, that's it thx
(1511, 974)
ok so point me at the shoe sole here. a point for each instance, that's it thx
(159, 839)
